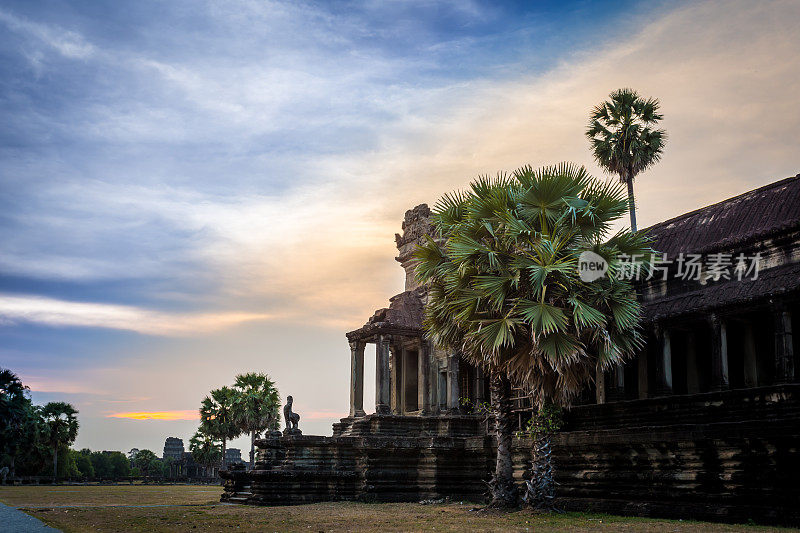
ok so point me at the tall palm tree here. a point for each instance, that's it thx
(505, 291)
(206, 450)
(623, 137)
(256, 406)
(14, 410)
(217, 417)
(61, 421)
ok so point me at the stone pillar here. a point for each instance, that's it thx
(356, 379)
(423, 377)
(784, 351)
(750, 360)
(453, 386)
(663, 363)
(692, 371)
(615, 384)
(480, 392)
(395, 380)
(719, 354)
(599, 386)
(382, 395)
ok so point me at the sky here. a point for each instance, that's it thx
(195, 189)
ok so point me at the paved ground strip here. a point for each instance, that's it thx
(12, 519)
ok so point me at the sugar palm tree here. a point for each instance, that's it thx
(256, 406)
(505, 291)
(217, 417)
(14, 410)
(61, 423)
(206, 450)
(623, 137)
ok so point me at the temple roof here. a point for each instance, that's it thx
(402, 317)
(732, 222)
(744, 222)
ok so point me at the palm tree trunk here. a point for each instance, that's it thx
(541, 489)
(503, 490)
(55, 464)
(252, 449)
(631, 202)
(224, 447)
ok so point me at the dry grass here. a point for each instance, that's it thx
(194, 508)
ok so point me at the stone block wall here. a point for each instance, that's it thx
(728, 456)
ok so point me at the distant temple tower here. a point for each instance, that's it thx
(173, 448)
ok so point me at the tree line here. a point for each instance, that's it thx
(250, 406)
(33, 437)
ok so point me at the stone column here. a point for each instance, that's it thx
(382, 398)
(423, 377)
(663, 363)
(395, 379)
(453, 386)
(750, 360)
(356, 379)
(692, 374)
(615, 384)
(480, 392)
(784, 351)
(719, 354)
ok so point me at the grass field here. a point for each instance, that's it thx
(196, 508)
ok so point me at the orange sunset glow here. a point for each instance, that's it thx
(188, 414)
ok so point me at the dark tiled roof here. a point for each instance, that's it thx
(752, 215)
(771, 282)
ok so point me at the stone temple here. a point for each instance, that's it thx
(704, 423)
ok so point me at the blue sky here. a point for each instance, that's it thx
(194, 189)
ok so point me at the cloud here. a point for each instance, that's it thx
(62, 313)
(158, 415)
(67, 43)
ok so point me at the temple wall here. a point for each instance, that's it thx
(729, 456)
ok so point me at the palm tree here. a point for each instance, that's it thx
(61, 421)
(205, 449)
(217, 417)
(504, 289)
(256, 406)
(15, 408)
(624, 141)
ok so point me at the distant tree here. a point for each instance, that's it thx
(67, 466)
(206, 450)
(83, 461)
(256, 406)
(148, 463)
(21, 425)
(623, 137)
(217, 417)
(61, 421)
(101, 462)
(120, 465)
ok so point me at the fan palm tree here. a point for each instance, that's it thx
(15, 410)
(623, 139)
(505, 292)
(61, 422)
(217, 417)
(256, 406)
(206, 450)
